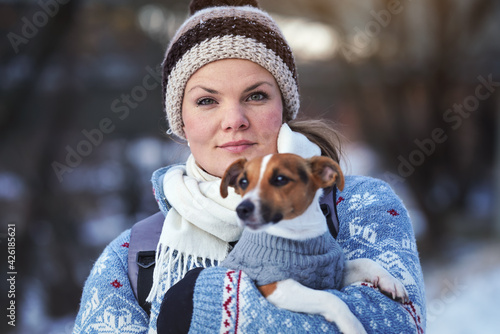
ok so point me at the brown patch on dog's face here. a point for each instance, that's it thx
(242, 175)
(286, 189)
(249, 178)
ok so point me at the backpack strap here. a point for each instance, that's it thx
(144, 237)
(329, 207)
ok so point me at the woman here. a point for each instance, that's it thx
(230, 90)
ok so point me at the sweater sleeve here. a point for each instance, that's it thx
(108, 304)
(373, 224)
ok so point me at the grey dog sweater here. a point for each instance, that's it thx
(317, 263)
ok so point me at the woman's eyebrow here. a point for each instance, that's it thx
(213, 91)
(208, 90)
(252, 87)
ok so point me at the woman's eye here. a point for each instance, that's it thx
(257, 96)
(205, 101)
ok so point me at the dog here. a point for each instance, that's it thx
(280, 197)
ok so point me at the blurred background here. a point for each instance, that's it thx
(413, 85)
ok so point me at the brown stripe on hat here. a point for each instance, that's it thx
(246, 12)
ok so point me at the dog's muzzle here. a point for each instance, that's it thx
(245, 210)
(255, 218)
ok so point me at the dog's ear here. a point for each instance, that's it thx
(231, 175)
(326, 172)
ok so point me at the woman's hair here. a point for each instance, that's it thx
(322, 132)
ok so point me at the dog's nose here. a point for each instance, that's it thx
(245, 209)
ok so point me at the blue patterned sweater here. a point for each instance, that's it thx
(373, 224)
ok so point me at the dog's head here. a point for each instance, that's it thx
(278, 186)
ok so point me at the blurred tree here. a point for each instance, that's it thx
(47, 99)
(30, 136)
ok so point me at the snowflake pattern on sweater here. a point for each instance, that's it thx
(373, 224)
(108, 304)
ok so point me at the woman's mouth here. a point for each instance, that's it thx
(237, 146)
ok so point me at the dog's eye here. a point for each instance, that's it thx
(280, 180)
(243, 183)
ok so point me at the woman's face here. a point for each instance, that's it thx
(231, 109)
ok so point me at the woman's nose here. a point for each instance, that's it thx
(235, 118)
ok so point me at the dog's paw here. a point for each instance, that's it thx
(392, 287)
(345, 320)
(347, 324)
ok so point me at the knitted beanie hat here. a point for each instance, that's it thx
(219, 29)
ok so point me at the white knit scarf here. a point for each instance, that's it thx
(199, 226)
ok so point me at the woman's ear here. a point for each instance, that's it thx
(185, 135)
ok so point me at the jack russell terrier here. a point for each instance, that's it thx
(293, 256)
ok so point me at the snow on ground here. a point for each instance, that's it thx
(463, 292)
